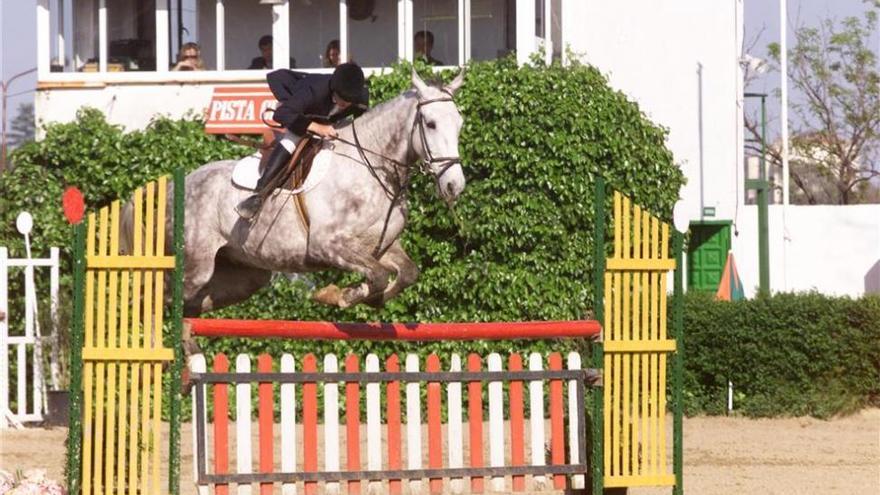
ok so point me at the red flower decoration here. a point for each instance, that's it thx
(74, 205)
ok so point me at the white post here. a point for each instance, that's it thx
(55, 356)
(43, 38)
(413, 423)
(281, 35)
(331, 424)
(343, 31)
(68, 36)
(454, 430)
(4, 337)
(548, 32)
(536, 418)
(220, 14)
(525, 30)
(243, 445)
(402, 21)
(461, 35)
(574, 451)
(197, 364)
(288, 424)
(783, 117)
(496, 422)
(102, 35)
(374, 425)
(32, 330)
(408, 29)
(563, 39)
(162, 63)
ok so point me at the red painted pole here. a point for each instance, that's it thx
(323, 330)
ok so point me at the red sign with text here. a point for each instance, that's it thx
(240, 110)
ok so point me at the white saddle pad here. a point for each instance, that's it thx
(247, 171)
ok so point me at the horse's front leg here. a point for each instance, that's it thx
(406, 274)
(376, 275)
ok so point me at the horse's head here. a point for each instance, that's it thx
(435, 135)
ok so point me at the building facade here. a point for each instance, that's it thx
(680, 60)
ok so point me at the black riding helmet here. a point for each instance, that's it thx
(349, 83)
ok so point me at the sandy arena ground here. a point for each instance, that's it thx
(722, 455)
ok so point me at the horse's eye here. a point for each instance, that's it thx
(431, 125)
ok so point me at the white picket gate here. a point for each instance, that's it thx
(21, 333)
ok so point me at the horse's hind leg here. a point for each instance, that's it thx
(230, 283)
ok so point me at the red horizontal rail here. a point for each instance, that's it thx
(324, 330)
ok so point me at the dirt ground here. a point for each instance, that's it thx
(722, 455)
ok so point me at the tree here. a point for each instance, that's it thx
(835, 138)
(22, 126)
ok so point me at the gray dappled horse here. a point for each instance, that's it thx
(357, 212)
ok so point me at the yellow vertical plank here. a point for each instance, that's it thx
(607, 367)
(636, 334)
(645, 335)
(124, 378)
(88, 368)
(157, 330)
(657, 426)
(101, 346)
(618, 215)
(148, 342)
(615, 378)
(135, 434)
(664, 250)
(626, 293)
(112, 345)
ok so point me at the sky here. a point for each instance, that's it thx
(18, 43)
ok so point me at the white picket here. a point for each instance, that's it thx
(374, 426)
(496, 422)
(331, 423)
(536, 417)
(288, 425)
(197, 364)
(243, 447)
(574, 363)
(413, 423)
(454, 429)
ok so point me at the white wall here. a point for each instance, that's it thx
(678, 59)
(832, 249)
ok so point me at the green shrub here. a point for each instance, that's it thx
(788, 354)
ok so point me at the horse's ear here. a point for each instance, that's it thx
(456, 83)
(418, 83)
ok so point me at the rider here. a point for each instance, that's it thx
(308, 103)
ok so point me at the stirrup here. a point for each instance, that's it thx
(249, 207)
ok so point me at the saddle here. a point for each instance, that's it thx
(297, 169)
(294, 173)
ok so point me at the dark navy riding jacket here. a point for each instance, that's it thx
(305, 98)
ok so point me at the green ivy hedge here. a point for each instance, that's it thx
(789, 354)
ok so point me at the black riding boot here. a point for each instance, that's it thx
(277, 160)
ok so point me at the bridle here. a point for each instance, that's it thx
(447, 162)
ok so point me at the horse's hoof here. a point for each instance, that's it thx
(329, 295)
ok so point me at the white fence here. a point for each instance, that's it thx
(21, 340)
(531, 438)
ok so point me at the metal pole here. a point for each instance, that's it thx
(176, 333)
(74, 435)
(678, 366)
(763, 222)
(596, 393)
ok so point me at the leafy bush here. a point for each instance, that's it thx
(789, 354)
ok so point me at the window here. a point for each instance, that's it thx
(435, 31)
(372, 32)
(493, 28)
(314, 25)
(84, 49)
(131, 35)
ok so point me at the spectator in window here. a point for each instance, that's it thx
(189, 58)
(264, 61)
(424, 43)
(331, 54)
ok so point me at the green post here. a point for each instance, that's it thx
(74, 432)
(174, 392)
(598, 458)
(678, 367)
(763, 222)
(762, 186)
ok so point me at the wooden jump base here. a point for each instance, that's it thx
(323, 330)
(118, 354)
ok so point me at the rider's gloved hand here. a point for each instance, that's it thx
(323, 130)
